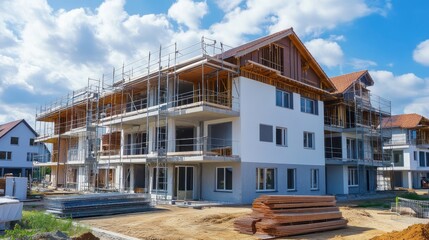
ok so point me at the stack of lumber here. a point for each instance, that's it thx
(277, 216)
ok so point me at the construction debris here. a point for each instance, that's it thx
(90, 205)
(279, 216)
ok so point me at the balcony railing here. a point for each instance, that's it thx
(212, 98)
(180, 146)
(341, 123)
(403, 141)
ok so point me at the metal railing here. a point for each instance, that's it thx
(416, 208)
(360, 122)
(405, 141)
(191, 146)
(221, 99)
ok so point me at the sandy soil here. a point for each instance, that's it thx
(171, 222)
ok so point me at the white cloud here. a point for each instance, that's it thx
(360, 64)
(49, 52)
(419, 106)
(421, 53)
(407, 92)
(228, 5)
(309, 18)
(325, 52)
(188, 12)
(398, 87)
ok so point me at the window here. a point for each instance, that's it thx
(281, 136)
(159, 182)
(31, 141)
(291, 179)
(5, 155)
(265, 179)
(309, 140)
(224, 179)
(354, 151)
(427, 159)
(415, 155)
(353, 177)
(309, 106)
(14, 140)
(398, 158)
(422, 159)
(314, 179)
(284, 99)
(265, 133)
(31, 156)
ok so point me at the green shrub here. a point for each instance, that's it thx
(35, 222)
(413, 196)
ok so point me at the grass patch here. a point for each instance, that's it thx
(374, 205)
(414, 196)
(33, 222)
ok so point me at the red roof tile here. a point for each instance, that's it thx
(411, 120)
(343, 82)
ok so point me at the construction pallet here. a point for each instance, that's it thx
(277, 216)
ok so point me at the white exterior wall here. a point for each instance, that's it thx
(19, 152)
(258, 106)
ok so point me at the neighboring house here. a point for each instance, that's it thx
(353, 136)
(18, 148)
(409, 148)
(225, 125)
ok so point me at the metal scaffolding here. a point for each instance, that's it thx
(96, 133)
(354, 135)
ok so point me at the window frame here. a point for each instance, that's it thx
(13, 142)
(395, 154)
(304, 107)
(294, 180)
(261, 135)
(7, 155)
(283, 137)
(314, 175)
(265, 183)
(224, 179)
(422, 159)
(353, 177)
(284, 95)
(306, 143)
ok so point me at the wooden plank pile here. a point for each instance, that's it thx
(279, 216)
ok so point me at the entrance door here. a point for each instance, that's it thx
(184, 182)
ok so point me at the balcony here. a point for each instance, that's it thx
(206, 104)
(182, 149)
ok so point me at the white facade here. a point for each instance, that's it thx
(410, 160)
(19, 164)
(258, 106)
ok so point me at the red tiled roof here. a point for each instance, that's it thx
(343, 82)
(411, 120)
(6, 127)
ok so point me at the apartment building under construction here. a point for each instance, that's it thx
(354, 135)
(205, 122)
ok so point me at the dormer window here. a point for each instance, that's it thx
(272, 56)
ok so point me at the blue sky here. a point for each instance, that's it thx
(50, 47)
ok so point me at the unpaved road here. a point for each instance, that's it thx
(172, 222)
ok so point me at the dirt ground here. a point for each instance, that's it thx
(172, 222)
